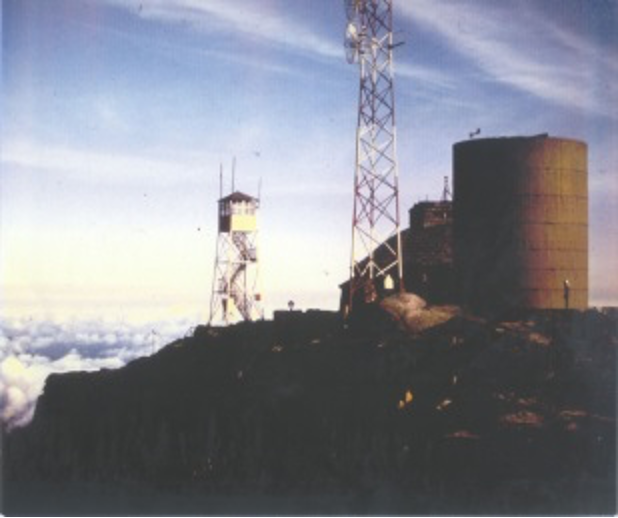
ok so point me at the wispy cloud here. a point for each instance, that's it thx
(523, 49)
(97, 165)
(175, 51)
(252, 19)
(429, 77)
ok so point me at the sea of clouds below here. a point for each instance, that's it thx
(31, 350)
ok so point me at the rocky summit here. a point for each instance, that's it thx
(302, 416)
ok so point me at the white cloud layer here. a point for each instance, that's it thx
(31, 350)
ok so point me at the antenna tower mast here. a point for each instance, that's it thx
(375, 221)
(446, 191)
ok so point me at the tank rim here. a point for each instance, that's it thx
(518, 138)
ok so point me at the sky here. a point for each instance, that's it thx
(117, 115)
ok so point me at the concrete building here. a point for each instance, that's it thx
(427, 254)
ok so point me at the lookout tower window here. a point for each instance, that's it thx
(241, 208)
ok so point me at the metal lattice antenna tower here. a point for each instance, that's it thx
(375, 222)
(446, 191)
(235, 290)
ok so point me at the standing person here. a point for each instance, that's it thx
(567, 288)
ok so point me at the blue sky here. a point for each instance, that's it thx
(116, 115)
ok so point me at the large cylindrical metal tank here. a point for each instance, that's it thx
(521, 223)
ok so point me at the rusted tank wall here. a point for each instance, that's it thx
(521, 222)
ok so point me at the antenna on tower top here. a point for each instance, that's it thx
(473, 134)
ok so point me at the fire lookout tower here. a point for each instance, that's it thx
(235, 292)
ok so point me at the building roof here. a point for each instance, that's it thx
(428, 204)
(238, 196)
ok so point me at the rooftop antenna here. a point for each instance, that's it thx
(233, 173)
(446, 191)
(375, 220)
(220, 181)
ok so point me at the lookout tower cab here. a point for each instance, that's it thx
(238, 213)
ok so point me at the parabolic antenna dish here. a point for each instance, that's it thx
(351, 43)
(351, 9)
